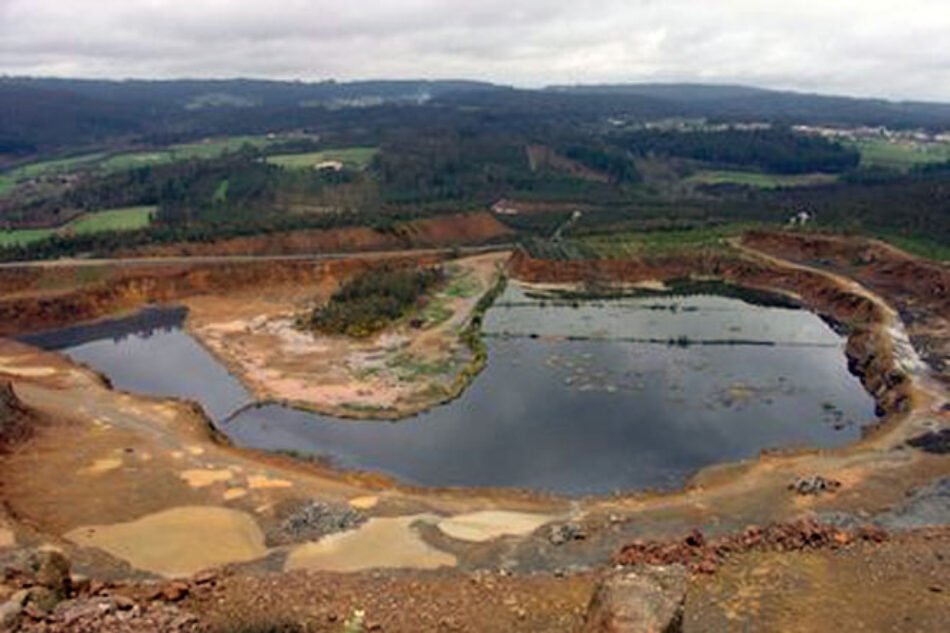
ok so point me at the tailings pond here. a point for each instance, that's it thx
(578, 397)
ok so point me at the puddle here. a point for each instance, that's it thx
(178, 542)
(378, 543)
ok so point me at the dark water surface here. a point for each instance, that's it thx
(645, 392)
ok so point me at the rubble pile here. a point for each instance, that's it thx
(700, 555)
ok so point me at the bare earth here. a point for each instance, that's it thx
(398, 372)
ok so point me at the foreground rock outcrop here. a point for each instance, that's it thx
(642, 600)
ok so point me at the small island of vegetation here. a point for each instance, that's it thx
(368, 303)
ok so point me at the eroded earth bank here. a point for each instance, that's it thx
(167, 527)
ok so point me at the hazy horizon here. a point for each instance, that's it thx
(875, 49)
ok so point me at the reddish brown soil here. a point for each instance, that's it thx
(704, 556)
(16, 421)
(461, 229)
(82, 294)
(918, 289)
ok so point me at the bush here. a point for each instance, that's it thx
(367, 304)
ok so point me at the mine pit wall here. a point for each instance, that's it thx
(451, 230)
(918, 289)
(869, 349)
(26, 306)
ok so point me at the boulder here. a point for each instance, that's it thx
(643, 599)
(51, 570)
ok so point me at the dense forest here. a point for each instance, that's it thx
(775, 150)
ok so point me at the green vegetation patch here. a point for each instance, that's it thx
(9, 179)
(356, 157)
(760, 180)
(367, 304)
(22, 237)
(126, 219)
(920, 246)
(900, 154)
(435, 312)
(463, 286)
(631, 244)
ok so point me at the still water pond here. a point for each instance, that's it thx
(577, 398)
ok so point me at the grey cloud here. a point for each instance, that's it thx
(869, 47)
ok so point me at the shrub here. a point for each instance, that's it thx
(367, 304)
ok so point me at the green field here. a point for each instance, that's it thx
(756, 179)
(126, 219)
(901, 154)
(8, 179)
(357, 157)
(629, 244)
(920, 246)
(208, 148)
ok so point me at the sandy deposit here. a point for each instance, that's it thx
(379, 543)
(179, 541)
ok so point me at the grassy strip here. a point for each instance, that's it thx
(210, 148)
(760, 180)
(125, 219)
(919, 246)
(900, 155)
(662, 242)
(472, 337)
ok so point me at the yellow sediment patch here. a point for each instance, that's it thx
(364, 503)
(180, 541)
(263, 481)
(196, 450)
(488, 524)
(199, 478)
(7, 538)
(378, 543)
(27, 372)
(234, 493)
(102, 466)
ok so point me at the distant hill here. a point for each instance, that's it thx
(50, 115)
(746, 103)
(246, 92)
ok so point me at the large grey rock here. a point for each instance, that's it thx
(642, 599)
(51, 570)
(10, 614)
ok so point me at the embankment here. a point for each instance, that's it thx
(918, 289)
(459, 229)
(42, 298)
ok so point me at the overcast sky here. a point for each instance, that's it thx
(898, 49)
